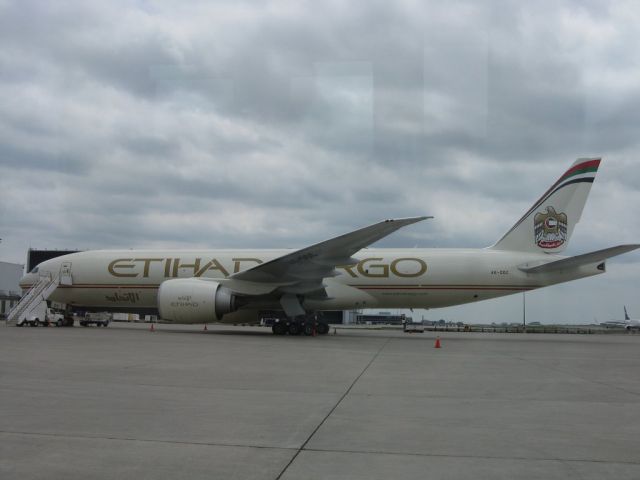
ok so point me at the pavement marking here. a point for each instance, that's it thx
(142, 440)
(320, 450)
(303, 446)
(488, 457)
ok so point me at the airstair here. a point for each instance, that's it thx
(35, 298)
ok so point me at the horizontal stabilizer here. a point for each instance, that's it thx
(580, 260)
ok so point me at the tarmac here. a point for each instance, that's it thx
(239, 403)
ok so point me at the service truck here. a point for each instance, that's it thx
(413, 327)
(100, 319)
(50, 317)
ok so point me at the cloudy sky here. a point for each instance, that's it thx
(279, 124)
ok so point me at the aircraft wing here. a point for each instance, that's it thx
(580, 260)
(304, 269)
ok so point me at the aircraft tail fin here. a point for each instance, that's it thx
(547, 226)
(626, 315)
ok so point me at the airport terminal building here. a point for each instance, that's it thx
(10, 274)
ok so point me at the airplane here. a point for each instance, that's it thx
(628, 323)
(230, 286)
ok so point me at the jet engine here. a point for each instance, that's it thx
(193, 300)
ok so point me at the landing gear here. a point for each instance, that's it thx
(279, 328)
(322, 328)
(294, 328)
(308, 328)
(308, 325)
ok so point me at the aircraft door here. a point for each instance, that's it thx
(65, 274)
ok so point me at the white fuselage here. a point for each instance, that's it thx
(383, 278)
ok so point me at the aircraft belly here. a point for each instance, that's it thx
(434, 297)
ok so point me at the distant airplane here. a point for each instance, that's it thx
(628, 323)
(199, 286)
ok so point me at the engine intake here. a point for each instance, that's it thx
(192, 300)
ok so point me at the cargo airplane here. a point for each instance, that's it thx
(190, 286)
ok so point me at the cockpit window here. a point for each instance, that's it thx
(34, 270)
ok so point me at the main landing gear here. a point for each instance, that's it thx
(308, 325)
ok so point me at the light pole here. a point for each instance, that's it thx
(524, 311)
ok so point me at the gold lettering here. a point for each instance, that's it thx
(176, 266)
(115, 264)
(236, 264)
(147, 262)
(422, 267)
(364, 271)
(212, 265)
(348, 269)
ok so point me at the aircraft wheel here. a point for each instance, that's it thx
(278, 329)
(36, 322)
(294, 328)
(322, 328)
(308, 329)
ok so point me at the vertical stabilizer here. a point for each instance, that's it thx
(548, 225)
(626, 315)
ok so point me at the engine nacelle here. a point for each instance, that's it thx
(192, 300)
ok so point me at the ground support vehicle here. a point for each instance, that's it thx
(50, 317)
(100, 319)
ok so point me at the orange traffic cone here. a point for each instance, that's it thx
(437, 345)
(152, 329)
(205, 327)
